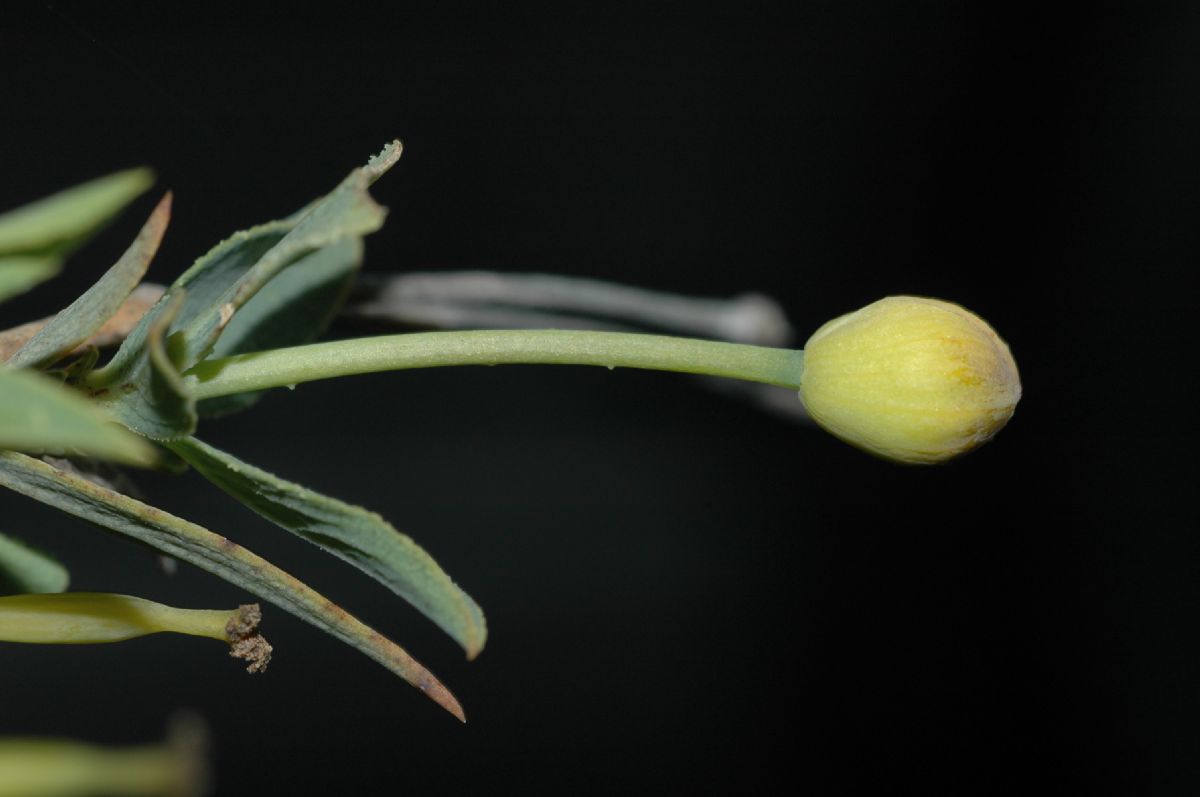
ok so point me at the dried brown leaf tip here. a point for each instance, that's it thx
(245, 642)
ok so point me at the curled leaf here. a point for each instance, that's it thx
(159, 404)
(293, 308)
(219, 284)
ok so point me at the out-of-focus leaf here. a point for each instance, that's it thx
(36, 238)
(61, 222)
(227, 278)
(216, 554)
(293, 308)
(23, 569)
(19, 273)
(39, 415)
(362, 538)
(97, 304)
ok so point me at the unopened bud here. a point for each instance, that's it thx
(910, 379)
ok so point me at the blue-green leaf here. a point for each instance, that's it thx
(97, 304)
(217, 555)
(40, 415)
(222, 282)
(160, 404)
(63, 221)
(351, 533)
(23, 569)
(293, 308)
(111, 332)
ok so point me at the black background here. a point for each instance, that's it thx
(683, 593)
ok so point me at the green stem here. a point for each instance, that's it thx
(95, 617)
(284, 367)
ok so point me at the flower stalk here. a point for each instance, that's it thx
(84, 618)
(910, 379)
(290, 366)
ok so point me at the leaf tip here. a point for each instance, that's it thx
(134, 450)
(131, 183)
(163, 208)
(474, 645)
(438, 693)
(379, 164)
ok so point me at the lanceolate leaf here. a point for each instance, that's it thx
(88, 313)
(22, 569)
(224, 280)
(216, 554)
(362, 538)
(40, 415)
(63, 221)
(111, 332)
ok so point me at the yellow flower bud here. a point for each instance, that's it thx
(910, 379)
